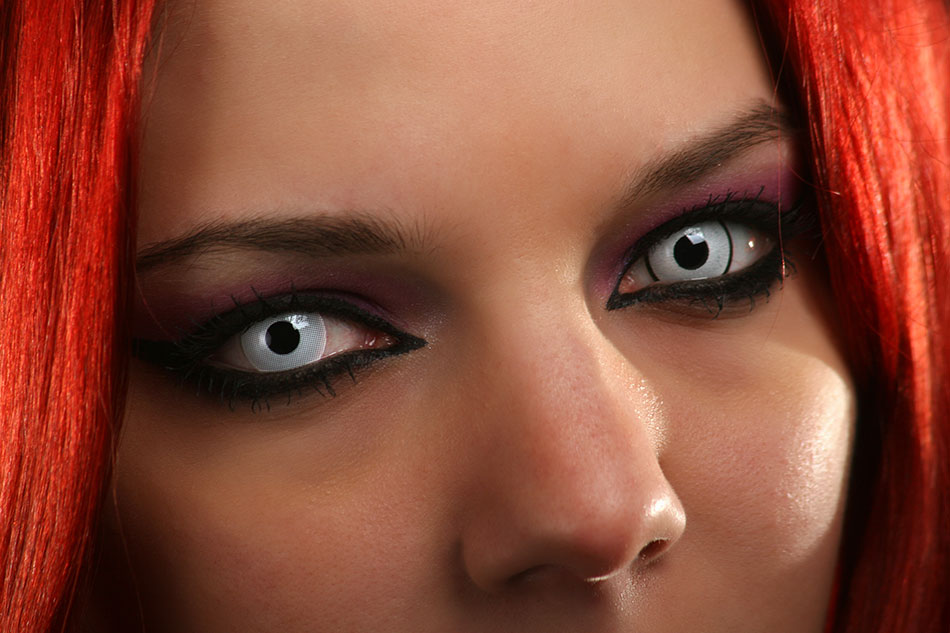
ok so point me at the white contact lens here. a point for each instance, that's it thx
(700, 251)
(285, 342)
(748, 246)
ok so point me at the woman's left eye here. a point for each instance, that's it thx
(716, 259)
(294, 340)
(702, 251)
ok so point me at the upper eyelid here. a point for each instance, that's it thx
(188, 358)
(333, 306)
(310, 302)
(217, 330)
(785, 222)
(712, 210)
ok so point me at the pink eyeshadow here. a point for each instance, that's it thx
(168, 312)
(772, 185)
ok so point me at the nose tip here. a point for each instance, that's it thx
(561, 476)
(592, 546)
(670, 521)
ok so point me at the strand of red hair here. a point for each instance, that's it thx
(873, 77)
(69, 88)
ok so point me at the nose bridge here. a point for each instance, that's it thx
(571, 479)
(556, 374)
(561, 392)
(571, 416)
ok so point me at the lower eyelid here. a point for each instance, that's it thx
(347, 337)
(714, 296)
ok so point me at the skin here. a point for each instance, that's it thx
(543, 463)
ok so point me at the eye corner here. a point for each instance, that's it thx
(731, 295)
(192, 361)
(617, 300)
(410, 343)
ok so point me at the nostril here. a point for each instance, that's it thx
(543, 576)
(527, 576)
(652, 550)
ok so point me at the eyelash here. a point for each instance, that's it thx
(714, 295)
(188, 356)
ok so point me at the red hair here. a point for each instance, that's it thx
(869, 76)
(873, 83)
(68, 89)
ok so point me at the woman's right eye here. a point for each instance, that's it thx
(279, 346)
(295, 340)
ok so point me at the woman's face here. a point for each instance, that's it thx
(469, 316)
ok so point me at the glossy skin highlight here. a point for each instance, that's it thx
(543, 463)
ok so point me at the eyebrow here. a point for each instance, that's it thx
(316, 236)
(758, 124)
(365, 233)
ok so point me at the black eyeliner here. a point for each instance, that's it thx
(188, 357)
(714, 294)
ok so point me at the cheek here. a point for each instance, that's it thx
(246, 527)
(758, 417)
(252, 561)
(767, 466)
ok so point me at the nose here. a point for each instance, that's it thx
(569, 484)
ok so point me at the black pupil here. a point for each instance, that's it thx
(282, 337)
(688, 255)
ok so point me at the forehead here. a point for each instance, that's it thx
(294, 104)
